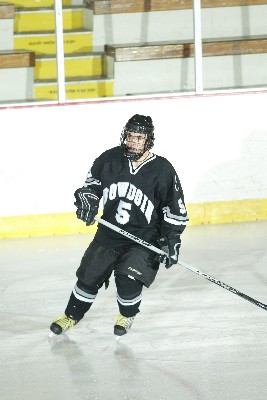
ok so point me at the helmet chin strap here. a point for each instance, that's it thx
(134, 156)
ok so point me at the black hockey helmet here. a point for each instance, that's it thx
(139, 124)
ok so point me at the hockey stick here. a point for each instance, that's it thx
(195, 270)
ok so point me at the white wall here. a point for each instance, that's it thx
(6, 34)
(218, 145)
(22, 87)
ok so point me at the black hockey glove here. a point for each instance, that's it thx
(171, 245)
(87, 203)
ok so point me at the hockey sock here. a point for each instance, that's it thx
(129, 295)
(81, 299)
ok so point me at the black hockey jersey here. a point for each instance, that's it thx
(147, 201)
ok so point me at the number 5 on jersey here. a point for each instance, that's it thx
(122, 215)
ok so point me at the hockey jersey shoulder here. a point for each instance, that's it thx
(163, 166)
(163, 160)
(110, 155)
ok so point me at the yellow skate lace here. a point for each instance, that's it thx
(125, 322)
(65, 323)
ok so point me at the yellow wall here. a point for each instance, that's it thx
(67, 223)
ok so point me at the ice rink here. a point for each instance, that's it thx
(192, 340)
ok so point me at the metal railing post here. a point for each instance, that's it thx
(198, 47)
(60, 51)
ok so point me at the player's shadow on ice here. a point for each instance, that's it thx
(121, 350)
(63, 346)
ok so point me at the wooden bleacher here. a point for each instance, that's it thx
(154, 51)
(108, 30)
(10, 58)
(150, 43)
(16, 59)
(7, 11)
(159, 67)
(16, 75)
(131, 6)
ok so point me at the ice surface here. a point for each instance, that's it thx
(191, 341)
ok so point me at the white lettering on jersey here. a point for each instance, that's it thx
(181, 206)
(144, 203)
(112, 191)
(122, 188)
(138, 197)
(149, 211)
(105, 195)
(129, 192)
(176, 184)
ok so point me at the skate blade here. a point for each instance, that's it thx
(117, 337)
(51, 334)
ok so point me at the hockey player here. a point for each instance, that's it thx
(141, 194)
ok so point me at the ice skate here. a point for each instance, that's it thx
(61, 324)
(123, 324)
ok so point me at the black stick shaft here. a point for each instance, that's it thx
(224, 285)
(195, 270)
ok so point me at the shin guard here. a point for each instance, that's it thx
(129, 295)
(81, 299)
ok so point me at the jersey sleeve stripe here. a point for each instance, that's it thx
(172, 218)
